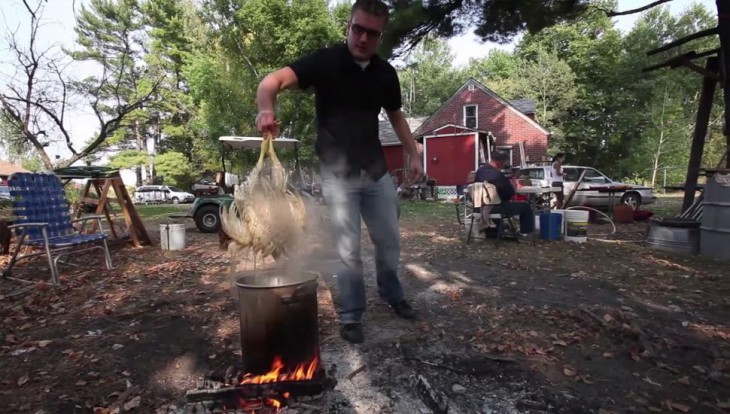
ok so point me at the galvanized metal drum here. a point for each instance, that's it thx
(678, 235)
(715, 229)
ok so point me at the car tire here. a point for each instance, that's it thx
(207, 219)
(632, 199)
(175, 200)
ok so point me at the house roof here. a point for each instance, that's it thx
(7, 169)
(525, 104)
(388, 135)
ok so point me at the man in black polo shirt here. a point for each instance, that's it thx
(351, 86)
(492, 173)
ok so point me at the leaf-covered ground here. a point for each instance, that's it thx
(531, 327)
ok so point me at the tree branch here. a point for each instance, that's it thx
(614, 13)
(32, 13)
(108, 127)
(23, 127)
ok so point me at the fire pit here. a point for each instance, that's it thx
(280, 346)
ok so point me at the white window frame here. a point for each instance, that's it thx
(476, 115)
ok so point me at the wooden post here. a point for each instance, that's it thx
(723, 30)
(700, 132)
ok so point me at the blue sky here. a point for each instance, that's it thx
(59, 23)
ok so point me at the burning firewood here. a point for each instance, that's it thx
(264, 216)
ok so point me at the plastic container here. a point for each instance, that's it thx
(550, 226)
(623, 213)
(576, 225)
(172, 236)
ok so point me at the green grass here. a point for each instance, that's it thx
(160, 211)
(666, 205)
(425, 210)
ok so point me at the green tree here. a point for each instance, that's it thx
(590, 125)
(169, 24)
(495, 20)
(248, 40)
(551, 82)
(660, 133)
(175, 168)
(128, 159)
(38, 100)
(428, 78)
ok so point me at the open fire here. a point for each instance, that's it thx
(280, 347)
(262, 394)
(301, 372)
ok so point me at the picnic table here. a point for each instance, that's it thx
(538, 192)
(611, 190)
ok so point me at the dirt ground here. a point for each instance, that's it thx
(529, 327)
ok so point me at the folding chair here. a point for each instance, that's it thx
(484, 196)
(44, 221)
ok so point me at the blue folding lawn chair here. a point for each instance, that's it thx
(43, 223)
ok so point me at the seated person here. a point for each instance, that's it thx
(491, 173)
(516, 184)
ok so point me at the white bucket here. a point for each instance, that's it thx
(576, 225)
(172, 236)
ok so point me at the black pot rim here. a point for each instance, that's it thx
(311, 278)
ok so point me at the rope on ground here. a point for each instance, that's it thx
(599, 212)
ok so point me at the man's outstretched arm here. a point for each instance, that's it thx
(269, 87)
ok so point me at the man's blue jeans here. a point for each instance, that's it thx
(376, 202)
(527, 216)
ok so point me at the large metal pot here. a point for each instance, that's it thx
(278, 318)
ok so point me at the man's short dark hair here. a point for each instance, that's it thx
(500, 156)
(374, 7)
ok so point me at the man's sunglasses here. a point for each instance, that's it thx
(359, 30)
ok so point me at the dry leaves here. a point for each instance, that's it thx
(676, 406)
(569, 371)
(725, 404)
(22, 380)
(133, 403)
(683, 381)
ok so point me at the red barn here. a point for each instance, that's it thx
(392, 148)
(466, 129)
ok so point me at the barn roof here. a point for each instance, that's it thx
(387, 134)
(7, 169)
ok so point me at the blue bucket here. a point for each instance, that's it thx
(550, 230)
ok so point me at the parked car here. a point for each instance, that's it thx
(155, 194)
(634, 197)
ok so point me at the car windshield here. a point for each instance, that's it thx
(175, 189)
(531, 173)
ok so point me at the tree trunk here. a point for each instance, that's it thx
(44, 157)
(138, 136)
(657, 156)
